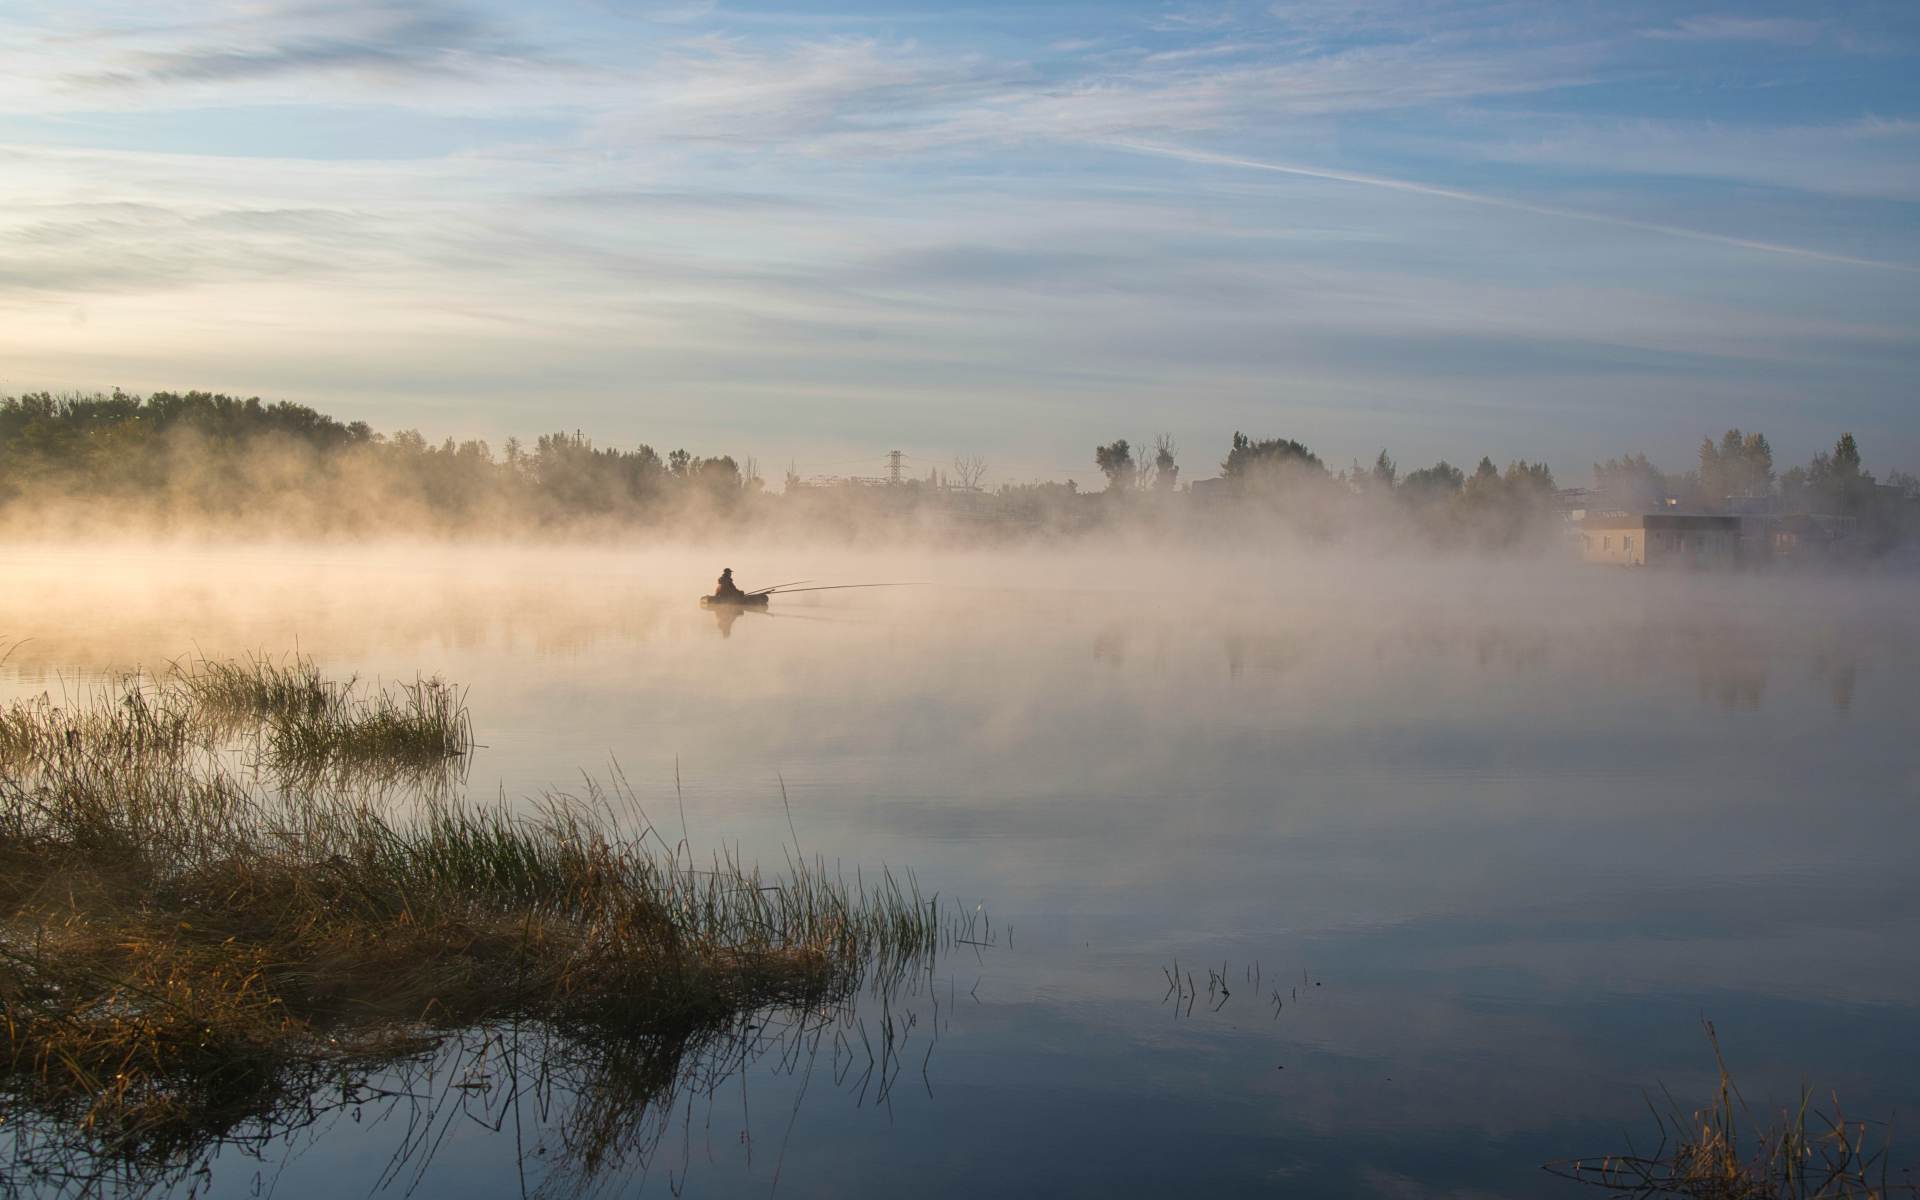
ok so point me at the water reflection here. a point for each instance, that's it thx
(570, 1113)
(1523, 824)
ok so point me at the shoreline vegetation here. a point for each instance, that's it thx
(1725, 1152)
(204, 463)
(189, 953)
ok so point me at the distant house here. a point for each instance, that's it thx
(1804, 535)
(1660, 539)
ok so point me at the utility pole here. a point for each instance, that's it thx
(893, 466)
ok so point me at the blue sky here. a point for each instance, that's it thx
(816, 232)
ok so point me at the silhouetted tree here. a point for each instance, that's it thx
(1738, 466)
(1116, 463)
(1839, 478)
(1166, 473)
(1442, 481)
(1270, 464)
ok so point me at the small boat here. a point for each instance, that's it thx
(759, 601)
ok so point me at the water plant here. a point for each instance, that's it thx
(310, 721)
(182, 949)
(260, 689)
(301, 724)
(1723, 1152)
(138, 720)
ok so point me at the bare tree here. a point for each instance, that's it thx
(1166, 475)
(969, 470)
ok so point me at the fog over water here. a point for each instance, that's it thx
(1497, 832)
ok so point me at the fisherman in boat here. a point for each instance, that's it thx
(726, 591)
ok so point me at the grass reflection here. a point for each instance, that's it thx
(192, 960)
(1725, 1152)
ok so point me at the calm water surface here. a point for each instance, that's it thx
(1493, 837)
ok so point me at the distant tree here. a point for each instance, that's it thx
(1628, 473)
(1385, 471)
(1759, 463)
(1528, 479)
(1838, 477)
(1041, 504)
(1738, 466)
(1510, 508)
(1166, 473)
(1268, 464)
(1441, 481)
(1116, 463)
(969, 469)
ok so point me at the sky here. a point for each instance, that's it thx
(814, 232)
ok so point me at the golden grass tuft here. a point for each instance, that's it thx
(181, 950)
(1722, 1152)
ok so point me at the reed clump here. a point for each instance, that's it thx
(260, 689)
(1723, 1152)
(181, 949)
(141, 721)
(297, 722)
(311, 721)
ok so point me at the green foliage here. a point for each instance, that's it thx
(1630, 473)
(1738, 466)
(1269, 461)
(1440, 482)
(187, 457)
(1116, 463)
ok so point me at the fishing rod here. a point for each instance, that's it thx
(835, 588)
(767, 590)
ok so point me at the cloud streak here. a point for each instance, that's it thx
(1401, 185)
(917, 217)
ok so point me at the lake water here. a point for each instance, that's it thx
(1494, 835)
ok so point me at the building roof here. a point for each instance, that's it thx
(1689, 522)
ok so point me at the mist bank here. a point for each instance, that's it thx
(201, 464)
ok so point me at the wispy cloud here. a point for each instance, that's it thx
(1787, 31)
(1871, 156)
(1570, 214)
(1334, 195)
(1195, 16)
(383, 37)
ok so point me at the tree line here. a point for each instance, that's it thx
(181, 459)
(1741, 467)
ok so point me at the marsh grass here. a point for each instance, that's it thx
(311, 722)
(260, 689)
(182, 950)
(1724, 1152)
(137, 721)
(304, 728)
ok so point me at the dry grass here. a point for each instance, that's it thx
(300, 726)
(181, 950)
(260, 689)
(1724, 1153)
(312, 722)
(138, 721)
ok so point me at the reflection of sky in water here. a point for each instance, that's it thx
(1523, 823)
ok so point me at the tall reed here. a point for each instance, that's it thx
(180, 947)
(1723, 1152)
